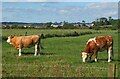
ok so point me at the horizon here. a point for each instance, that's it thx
(43, 12)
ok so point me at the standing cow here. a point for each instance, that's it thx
(25, 41)
(96, 44)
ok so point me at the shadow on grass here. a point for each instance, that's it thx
(116, 60)
(41, 53)
(104, 60)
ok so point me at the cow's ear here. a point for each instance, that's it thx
(42, 35)
(11, 36)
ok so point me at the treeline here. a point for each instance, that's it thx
(104, 23)
(72, 34)
(99, 23)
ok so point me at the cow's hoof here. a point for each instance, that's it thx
(19, 55)
(35, 55)
(109, 60)
(95, 60)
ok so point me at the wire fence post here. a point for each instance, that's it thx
(111, 71)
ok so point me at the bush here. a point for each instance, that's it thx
(61, 35)
(68, 26)
(106, 27)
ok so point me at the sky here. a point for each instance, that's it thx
(42, 12)
(59, 0)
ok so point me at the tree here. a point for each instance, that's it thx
(110, 20)
(68, 26)
(83, 21)
(49, 24)
(101, 21)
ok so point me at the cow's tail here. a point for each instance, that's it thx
(112, 51)
(40, 37)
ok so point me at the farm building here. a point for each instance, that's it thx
(57, 24)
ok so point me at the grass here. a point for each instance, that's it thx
(7, 32)
(60, 57)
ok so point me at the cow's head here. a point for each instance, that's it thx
(9, 39)
(42, 35)
(84, 56)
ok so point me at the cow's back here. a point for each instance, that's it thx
(103, 42)
(28, 41)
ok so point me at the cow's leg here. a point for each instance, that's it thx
(95, 59)
(35, 49)
(38, 49)
(95, 56)
(90, 58)
(20, 51)
(109, 53)
(90, 55)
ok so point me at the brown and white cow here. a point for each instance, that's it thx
(96, 44)
(25, 41)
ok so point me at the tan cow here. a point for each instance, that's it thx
(25, 41)
(96, 44)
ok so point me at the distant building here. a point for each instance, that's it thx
(57, 24)
(81, 24)
(89, 24)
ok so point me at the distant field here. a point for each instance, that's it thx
(59, 58)
(7, 32)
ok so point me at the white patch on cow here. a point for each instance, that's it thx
(110, 36)
(8, 40)
(20, 52)
(84, 56)
(93, 39)
(35, 49)
(95, 59)
(109, 54)
(90, 40)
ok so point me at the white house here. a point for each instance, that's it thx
(57, 24)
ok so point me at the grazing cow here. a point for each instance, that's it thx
(96, 44)
(25, 41)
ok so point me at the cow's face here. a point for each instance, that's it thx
(9, 39)
(84, 56)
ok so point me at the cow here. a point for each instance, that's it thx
(25, 41)
(98, 44)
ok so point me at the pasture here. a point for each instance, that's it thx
(59, 58)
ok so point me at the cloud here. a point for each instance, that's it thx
(37, 0)
(91, 11)
(63, 11)
(105, 9)
(60, 1)
(31, 1)
(43, 12)
(11, 1)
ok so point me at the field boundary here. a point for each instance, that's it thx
(61, 34)
(111, 68)
(94, 67)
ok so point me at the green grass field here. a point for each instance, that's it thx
(59, 58)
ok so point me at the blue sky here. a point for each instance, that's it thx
(57, 11)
